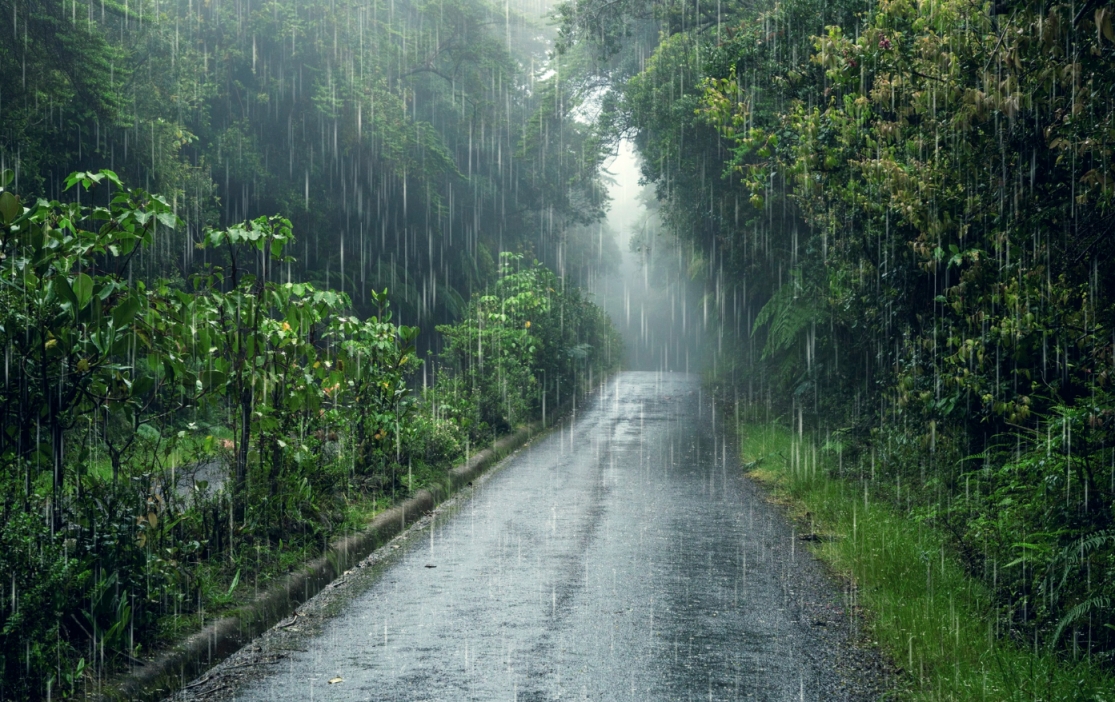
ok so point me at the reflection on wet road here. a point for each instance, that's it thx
(620, 557)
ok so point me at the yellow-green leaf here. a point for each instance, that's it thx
(1103, 21)
(9, 207)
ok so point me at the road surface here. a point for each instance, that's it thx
(621, 557)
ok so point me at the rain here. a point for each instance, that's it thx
(593, 349)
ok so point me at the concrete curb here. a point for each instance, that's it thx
(172, 669)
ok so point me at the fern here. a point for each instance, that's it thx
(1074, 555)
(1089, 605)
(789, 311)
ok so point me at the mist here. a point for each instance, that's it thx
(649, 295)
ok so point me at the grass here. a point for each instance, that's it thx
(922, 609)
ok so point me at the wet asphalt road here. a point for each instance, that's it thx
(621, 557)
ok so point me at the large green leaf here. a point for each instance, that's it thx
(9, 207)
(125, 312)
(142, 385)
(83, 290)
(211, 379)
(63, 290)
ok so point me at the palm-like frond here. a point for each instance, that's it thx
(789, 312)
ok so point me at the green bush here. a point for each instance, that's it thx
(39, 593)
(528, 344)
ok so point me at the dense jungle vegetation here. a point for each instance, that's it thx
(214, 217)
(905, 208)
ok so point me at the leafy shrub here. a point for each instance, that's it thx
(40, 591)
(525, 344)
(433, 440)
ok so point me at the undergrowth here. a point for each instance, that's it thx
(931, 618)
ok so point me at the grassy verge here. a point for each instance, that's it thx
(924, 611)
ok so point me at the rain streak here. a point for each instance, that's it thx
(557, 349)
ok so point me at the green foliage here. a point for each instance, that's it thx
(380, 129)
(73, 323)
(1033, 520)
(40, 575)
(149, 339)
(376, 358)
(926, 611)
(524, 345)
(293, 412)
(48, 57)
(789, 311)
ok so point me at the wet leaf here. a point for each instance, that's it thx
(1103, 21)
(83, 290)
(63, 290)
(10, 208)
(125, 312)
